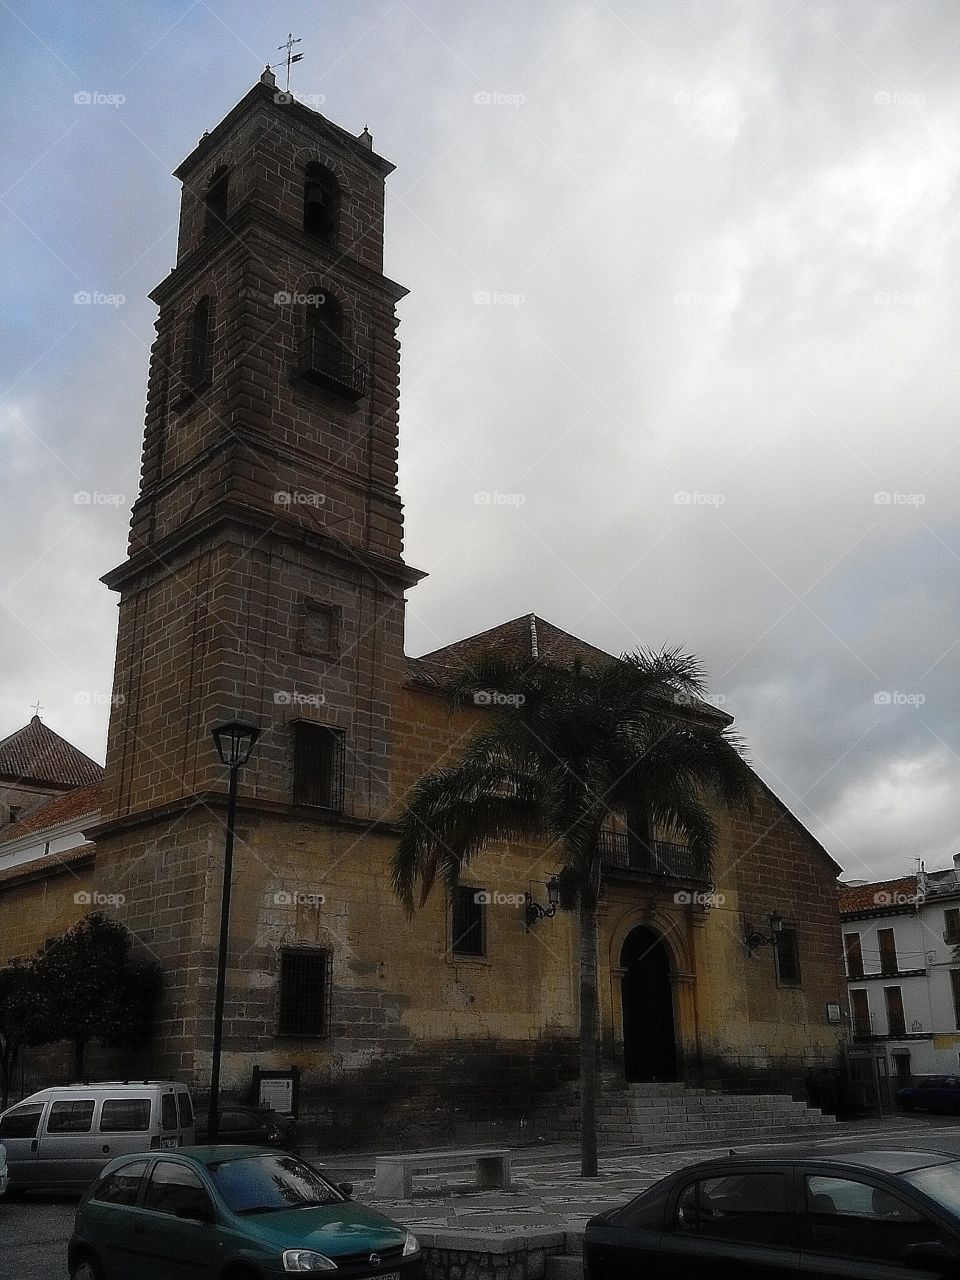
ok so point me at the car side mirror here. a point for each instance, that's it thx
(346, 1188)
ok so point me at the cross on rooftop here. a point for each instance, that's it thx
(291, 57)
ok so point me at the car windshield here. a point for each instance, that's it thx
(267, 1183)
(941, 1182)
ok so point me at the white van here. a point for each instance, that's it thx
(62, 1137)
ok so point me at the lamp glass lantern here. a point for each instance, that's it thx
(553, 890)
(234, 741)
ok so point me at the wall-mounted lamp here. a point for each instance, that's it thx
(754, 939)
(534, 911)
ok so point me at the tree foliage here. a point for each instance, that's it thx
(82, 986)
(564, 749)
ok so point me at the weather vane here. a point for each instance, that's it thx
(291, 57)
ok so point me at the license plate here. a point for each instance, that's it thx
(385, 1275)
(167, 1143)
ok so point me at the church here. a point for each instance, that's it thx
(265, 579)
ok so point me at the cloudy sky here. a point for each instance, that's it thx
(679, 357)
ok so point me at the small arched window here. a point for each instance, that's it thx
(216, 201)
(197, 371)
(321, 202)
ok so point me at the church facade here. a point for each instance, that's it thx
(265, 579)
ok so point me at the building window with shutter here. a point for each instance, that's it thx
(888, 951)
(860, 1005)
(318, 753)
(896, 1026)
(468, 922)
(951, 926)
(851, 946)
(955, 988)
(305, 993)
(788, 957)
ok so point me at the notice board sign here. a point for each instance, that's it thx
(279, 1090)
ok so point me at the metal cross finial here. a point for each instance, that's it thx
(36, 708)
(291, 56)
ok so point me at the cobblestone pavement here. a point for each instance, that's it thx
(549, 1192)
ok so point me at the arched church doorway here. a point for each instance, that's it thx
(649, 1037)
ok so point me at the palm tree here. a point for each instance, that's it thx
(565, 748)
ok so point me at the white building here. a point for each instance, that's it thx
(900, 941)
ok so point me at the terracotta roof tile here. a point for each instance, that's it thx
(49, 865)
(61, 809)
(525, 637)
(35, 754)
(879, 895)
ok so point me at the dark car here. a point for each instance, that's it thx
(857, 1214)
(258, 1126)
(936, 1093)
(230, 1213)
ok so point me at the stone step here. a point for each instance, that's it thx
(560, 1266)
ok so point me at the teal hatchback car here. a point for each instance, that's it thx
(230, 1213)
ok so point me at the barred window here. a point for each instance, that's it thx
(468, 922)
(318, 766)
(305, 992)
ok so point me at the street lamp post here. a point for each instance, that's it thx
(234, 741)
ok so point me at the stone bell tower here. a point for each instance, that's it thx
(264, 575)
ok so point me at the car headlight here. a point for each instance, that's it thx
(410, 1245)
(306, 1260)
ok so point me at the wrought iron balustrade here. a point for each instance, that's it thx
(326, 362)
(620, 851)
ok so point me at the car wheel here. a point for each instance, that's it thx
(85, 1267)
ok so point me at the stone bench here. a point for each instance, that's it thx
(393, 1175)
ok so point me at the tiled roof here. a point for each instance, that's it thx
(35, 754)
(49, 865)
(525, 637)
(61, 809)
(879, 895)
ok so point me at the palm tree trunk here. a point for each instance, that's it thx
(589, 895)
